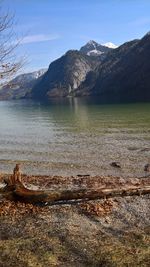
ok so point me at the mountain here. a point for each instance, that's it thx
(64, 75)
(94, 49)
(67, 73)
(90, 84)
(19, 86)
(114, 75)
(123, 76)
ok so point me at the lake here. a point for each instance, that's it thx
(74, 136)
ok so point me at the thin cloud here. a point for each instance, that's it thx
(39, 38)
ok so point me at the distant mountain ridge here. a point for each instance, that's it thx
(20, 85)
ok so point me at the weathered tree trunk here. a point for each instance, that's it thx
(32, 196)
(15, 190)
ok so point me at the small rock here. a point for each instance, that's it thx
(147, 167)
(115, 164)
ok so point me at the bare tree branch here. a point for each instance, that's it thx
(9, 63)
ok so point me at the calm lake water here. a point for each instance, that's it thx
(75, 136)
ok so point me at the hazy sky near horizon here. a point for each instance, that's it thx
(51, 27)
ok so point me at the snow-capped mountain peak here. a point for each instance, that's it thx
(110, 45)
(91, 42)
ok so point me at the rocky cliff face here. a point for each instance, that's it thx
(125, 75)
(114, 61)
(64, 76)
(21, 85)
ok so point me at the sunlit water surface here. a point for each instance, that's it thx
(74, 136)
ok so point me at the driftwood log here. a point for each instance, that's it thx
(15, 190)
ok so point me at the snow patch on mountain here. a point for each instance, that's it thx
(94, 52)
(147, 34)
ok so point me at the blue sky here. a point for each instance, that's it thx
(51, 27)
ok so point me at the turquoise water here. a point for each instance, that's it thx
(75, 136)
